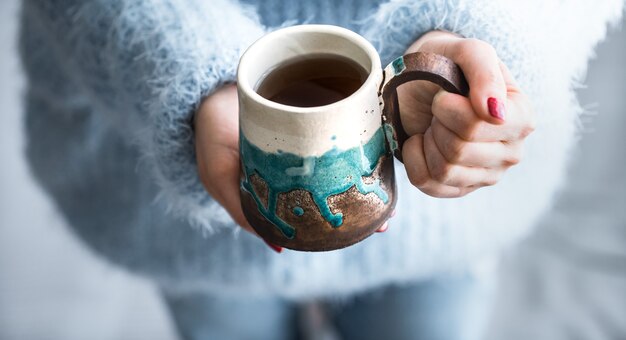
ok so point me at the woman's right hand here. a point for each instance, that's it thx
(459, 144)
(217, 150)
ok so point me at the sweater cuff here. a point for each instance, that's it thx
(171, 147)
(398, 23)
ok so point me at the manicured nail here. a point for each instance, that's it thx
(274, 247)
(496, 108)
(383, 228)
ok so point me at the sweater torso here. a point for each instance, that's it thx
(97, 177)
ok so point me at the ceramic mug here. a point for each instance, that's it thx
(322, 178)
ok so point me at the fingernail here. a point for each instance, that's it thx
(496, 108)
(383, 228)
(393, 213)
(274, 247)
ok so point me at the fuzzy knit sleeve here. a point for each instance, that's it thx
(547, 45)
(146, 65)
(396, 24)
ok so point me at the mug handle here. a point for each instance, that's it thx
(414, 66)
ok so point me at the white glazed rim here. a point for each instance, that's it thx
(245, 85)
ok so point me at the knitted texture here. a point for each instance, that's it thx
(147, 64)
(114, 85)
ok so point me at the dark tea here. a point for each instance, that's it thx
(312, 80)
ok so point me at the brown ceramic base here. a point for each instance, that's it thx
(362, 214)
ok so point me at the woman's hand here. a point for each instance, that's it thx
(459, 144)
(217, 150)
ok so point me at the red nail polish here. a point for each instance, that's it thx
(496, 108)
(274, 247)
(383, 228)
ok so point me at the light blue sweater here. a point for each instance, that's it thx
(114, 85)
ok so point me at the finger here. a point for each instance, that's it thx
(417, 171)
(274, 247)
(455, 175)
(481, 66)
(385, 225)
(520, 104)
(415, 99)
(439, 190)
(383, 228)
(457, 114)
(474, 154)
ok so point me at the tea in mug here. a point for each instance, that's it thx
(312, 80)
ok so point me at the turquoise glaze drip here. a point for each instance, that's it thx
(298, 211)
(389, 132)
(398, 65)
(330, 174)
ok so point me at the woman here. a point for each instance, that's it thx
(132, 129)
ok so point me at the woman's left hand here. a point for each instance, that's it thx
(457, 144)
